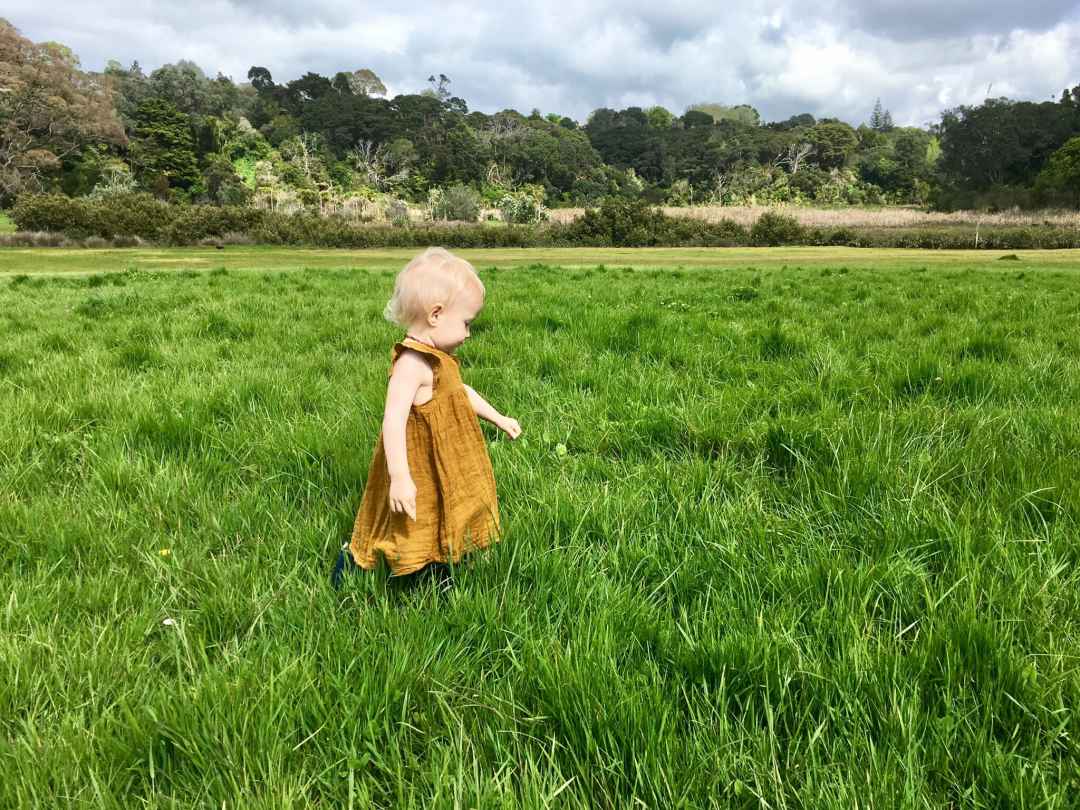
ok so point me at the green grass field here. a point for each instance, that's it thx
(784, 529)
(82, 261)
(6, 225)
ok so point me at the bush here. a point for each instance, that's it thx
(619, 222)
(842, 236)
(193, 223)
(809, 181)
(310, 229)
(681, 193)
(457, 203)
(397, 211)
(772, 229)
(116, 178)
(698, 233)
(632, 223)
(963, 238)
(131, 216)
(47, 212)
(523, 207)
(113, 215)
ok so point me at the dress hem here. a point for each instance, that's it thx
(413, 568)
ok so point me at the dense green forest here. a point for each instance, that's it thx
(339, 145)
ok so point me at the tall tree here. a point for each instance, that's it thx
(440, 87)
(696, 118)
(800, 121)
(184, 85)
(834, 142)
(260, 78)
(162, 148)
(740, 113)
(309, 87)
(364, 82)
(1002, 142)
(660, 118)
(880, 118)
(877, 116)
(49, 110)
(130, 88)
(1061, 175)
(625, 140)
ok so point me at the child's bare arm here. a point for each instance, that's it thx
(408, 374)
(485, 411)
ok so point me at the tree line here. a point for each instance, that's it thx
(337, 143)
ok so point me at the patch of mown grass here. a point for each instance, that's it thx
(579, 263)
(772, 537)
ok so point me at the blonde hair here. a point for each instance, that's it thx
(436, 276)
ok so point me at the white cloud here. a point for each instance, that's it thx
(834, 59)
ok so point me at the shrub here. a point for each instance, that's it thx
(773, 228)
(116, 178)
(843, 236)
(128, 215)
(113, 215)
(457, 203)
(309, 229)
(397, 211)
(681, 193)
(194, 223)
(699, 233)
(524, 206)
(619, 222)
(46, 212)
(956, 238)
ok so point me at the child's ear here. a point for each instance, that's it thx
(433, 316)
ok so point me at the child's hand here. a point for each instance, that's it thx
(510, 427)
(403, 496)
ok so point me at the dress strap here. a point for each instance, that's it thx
(433, 355)
(419, 345)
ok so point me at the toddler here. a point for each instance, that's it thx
(430, 495)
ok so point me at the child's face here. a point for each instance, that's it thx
(451, 328)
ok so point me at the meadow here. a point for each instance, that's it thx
(785, 528)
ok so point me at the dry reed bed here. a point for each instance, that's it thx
(857, 217)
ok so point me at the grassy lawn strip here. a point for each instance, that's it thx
(17, 261)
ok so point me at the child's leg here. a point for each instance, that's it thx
(440, 573)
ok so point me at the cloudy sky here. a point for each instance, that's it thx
(919, 56)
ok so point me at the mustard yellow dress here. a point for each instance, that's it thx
(456, 505)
